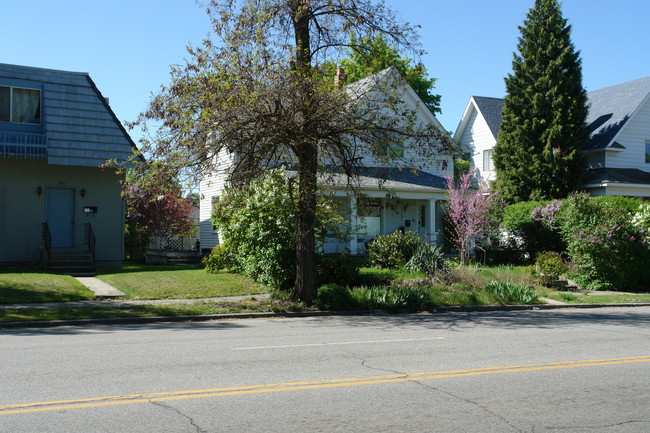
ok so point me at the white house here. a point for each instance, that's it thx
(618, 150)
(477, 133)
(56, 131)
(392, 198)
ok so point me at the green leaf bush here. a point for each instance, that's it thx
(220, 258)
(394, 250)
(334, 297)
(527, 235)
(549, 266)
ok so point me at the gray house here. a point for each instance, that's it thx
(56, 131)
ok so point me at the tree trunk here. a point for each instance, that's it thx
(305, 288)
(307, 154)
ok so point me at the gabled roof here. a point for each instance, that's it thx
(486, 107)
(490, 109)
(609, 110)
(611, 107)
(78, 124)
(390, 78)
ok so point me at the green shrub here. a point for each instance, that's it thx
(219, 259)
(625, 204)
(609, 251)
(258, 222)
(343, 270)
(549, 266)
(530, 236)
(511, 292)
(428, 259)
(334, 297)
(393, 250)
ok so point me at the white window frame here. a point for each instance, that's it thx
(488, 164)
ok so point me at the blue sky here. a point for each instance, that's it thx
(128, 45)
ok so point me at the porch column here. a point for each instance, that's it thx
(433, 230)
(353, 225)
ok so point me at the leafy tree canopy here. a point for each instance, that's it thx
(369, 55)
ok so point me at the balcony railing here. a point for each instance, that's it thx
(23, 145)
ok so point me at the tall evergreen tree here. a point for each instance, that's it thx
(538, 153)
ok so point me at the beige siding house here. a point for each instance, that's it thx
(56, 131)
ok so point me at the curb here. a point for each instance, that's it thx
(270, 315)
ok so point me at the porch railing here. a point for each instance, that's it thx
(23, 145)
(89, 239)
(46, 238)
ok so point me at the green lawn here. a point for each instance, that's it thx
(166, 310)
(598, 298)
(23, 286)
(176, 282)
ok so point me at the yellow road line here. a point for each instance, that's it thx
(306, 385)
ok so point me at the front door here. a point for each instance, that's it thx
(60, 216)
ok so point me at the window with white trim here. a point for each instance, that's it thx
(20, 105)
(487, 160)
(647, 151)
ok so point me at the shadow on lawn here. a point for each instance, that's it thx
(16, 293)
(127, 268)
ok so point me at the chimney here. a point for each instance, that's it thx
(340, 78)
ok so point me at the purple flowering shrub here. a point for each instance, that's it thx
(608, 250)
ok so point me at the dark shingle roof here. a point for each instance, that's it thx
(417, 178)
(490, 108)
(617, 175)
(611, 107)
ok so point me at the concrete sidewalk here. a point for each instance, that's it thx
(100, 288)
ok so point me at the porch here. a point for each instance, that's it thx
(379, 214)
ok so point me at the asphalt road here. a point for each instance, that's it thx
(525, 371)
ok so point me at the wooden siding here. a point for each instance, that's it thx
(211, 186)
(633, 136)
(81, 128)
(433, 165)
(476, 138)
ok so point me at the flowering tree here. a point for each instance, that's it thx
(155, 204)
(468, 211)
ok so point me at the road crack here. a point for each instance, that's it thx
(178, 412)
(433, 388)
(599, 426)
(471, 402)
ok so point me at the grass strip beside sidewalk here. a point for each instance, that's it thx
(176, 282)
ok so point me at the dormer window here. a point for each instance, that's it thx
(20, 105)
